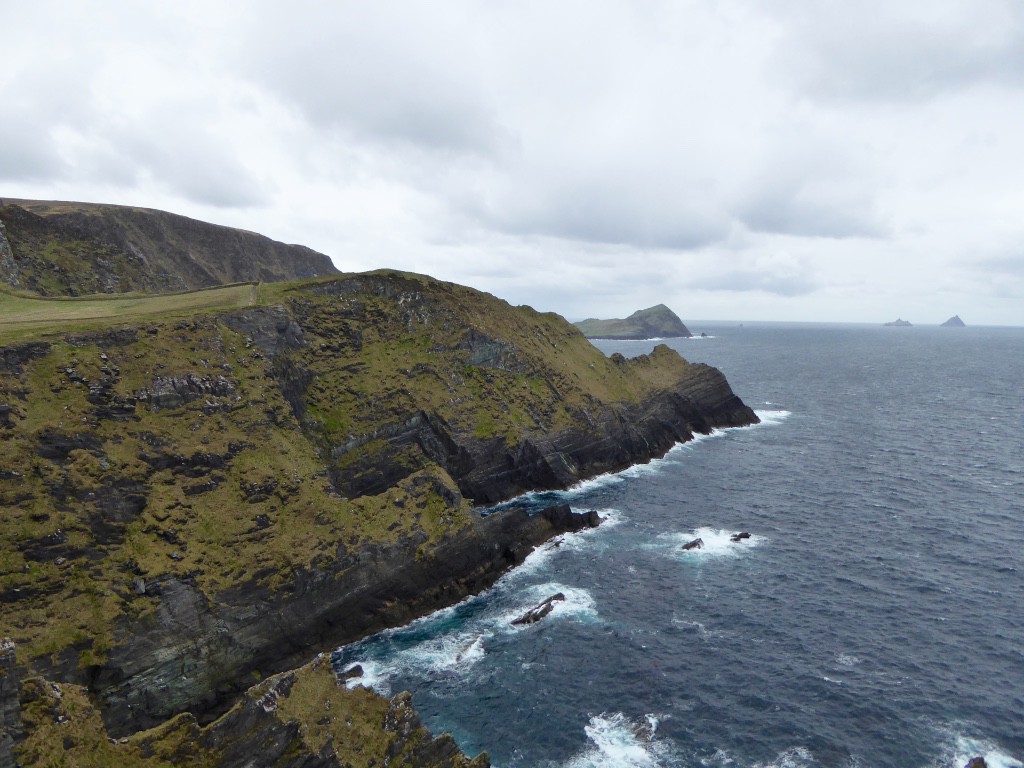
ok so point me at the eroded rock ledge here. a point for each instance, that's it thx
(199, 505)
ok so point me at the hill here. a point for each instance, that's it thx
(198, 498)
(71, 249)
(657, 322)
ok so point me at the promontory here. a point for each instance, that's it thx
(657, 322)
(204, 493)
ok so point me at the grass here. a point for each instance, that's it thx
(24, 316)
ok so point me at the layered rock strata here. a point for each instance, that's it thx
(194, 505)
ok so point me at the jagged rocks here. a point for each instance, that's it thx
(540, 610)
(176, 391)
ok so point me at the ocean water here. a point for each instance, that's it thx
(875, 617)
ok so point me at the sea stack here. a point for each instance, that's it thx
(954, 322)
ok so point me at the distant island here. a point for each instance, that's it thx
(658, 322)
(954, 322)
(900, 322)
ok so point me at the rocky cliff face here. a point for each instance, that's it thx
(80, 248)
(192, 506)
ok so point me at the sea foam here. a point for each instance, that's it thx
(717, 543)
(618, 742)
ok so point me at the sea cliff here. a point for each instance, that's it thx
(194, 507)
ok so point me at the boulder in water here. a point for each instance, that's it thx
(538, 612)
(351, 673)
(976, 762)
(737, 537)
(695, 544)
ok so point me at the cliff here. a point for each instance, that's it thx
(658, 322)
(59, 248)
(192, 506)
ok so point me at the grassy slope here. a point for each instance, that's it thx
(379, 347)
(207, 514)
(68, 248)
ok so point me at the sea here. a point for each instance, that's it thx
(874, 617)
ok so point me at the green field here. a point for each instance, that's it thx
(24, 316)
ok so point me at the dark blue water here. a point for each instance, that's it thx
(875, 617)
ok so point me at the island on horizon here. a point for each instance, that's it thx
(954, 322)
(900, 322)
(657, 322)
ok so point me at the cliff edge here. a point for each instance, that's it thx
(193, 506)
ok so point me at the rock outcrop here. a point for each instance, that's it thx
(657, 322)
(10, 707)
(62, 248)
(954, 322)
(199, 504)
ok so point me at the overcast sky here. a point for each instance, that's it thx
(736, 159)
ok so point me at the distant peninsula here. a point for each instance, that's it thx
(900, 322)
(954, 322)
(657, 322)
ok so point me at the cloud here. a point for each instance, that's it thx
(789, 158)
(895, 52)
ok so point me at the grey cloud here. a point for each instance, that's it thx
(380, 77)
(883, 51)
(27, 151)
(749, 280)
(804, 216)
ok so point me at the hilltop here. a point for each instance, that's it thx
(202, 491)
(71, 249)
(657, 322)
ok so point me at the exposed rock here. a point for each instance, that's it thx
(10, 708)
(540, 610)
(657, 322)
(352, 673)
(737, 537)
(332, 498)
(954, 322)
(175, 391)
(976, 762)
(13, 359)
(8, 266)
(695, 544)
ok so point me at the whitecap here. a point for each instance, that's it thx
(716, 543)
(795, 757)
(374, 677)
(963, 747)
(769, 418)
(617, 742)
(578, 605)
(847, 660)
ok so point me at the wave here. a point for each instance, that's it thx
(578, 604)
(961, 745)
(769, 418)
(796, 757)
(618, 742)
(584, 487)
(717, 543)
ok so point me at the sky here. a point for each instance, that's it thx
(801, 160)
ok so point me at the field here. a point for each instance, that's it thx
(24, 316)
